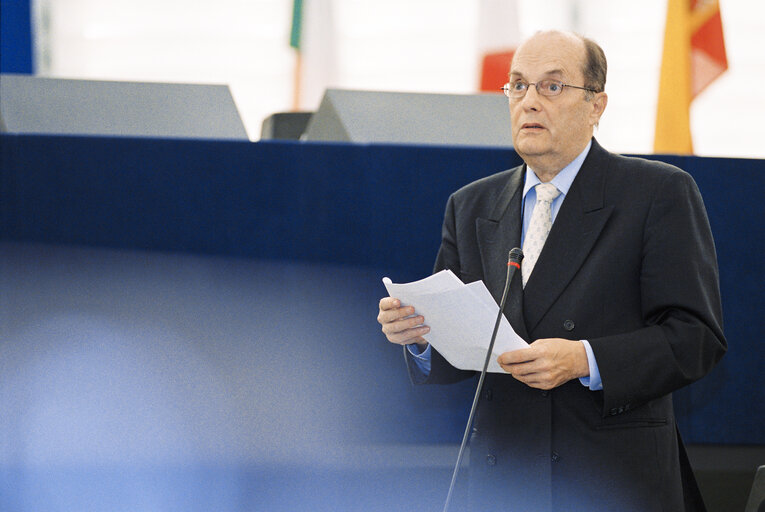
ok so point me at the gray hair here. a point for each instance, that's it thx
(595, 66)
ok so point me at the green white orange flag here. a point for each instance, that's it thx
(312, 37)
(296, 32)
(693, 57)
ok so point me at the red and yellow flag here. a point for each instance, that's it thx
(693, 56)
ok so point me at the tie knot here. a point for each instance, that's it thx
(546, 192)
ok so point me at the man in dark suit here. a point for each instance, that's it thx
(621, 307)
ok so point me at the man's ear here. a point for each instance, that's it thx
(599, 102)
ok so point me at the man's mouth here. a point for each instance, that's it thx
(532, 126)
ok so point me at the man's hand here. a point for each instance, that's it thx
(400, 324)
(547, 363)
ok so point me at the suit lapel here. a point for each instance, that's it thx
(496, 235)
(577, 226)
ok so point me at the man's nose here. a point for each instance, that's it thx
(531, 99)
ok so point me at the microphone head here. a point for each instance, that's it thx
(515, 256)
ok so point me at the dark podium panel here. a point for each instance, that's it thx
(285, 125)
(411, 118)
(756, 501)
(51, 106)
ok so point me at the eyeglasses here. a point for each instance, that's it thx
(517, 89)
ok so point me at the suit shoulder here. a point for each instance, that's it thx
(634, 180)
(644, 168)
(487, 187)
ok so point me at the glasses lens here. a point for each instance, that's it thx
(550, 87)
(518, 89)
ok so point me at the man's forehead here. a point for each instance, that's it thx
(535, 69)
(548, 57)
(550, 73)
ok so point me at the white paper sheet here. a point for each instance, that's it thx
(461, 319)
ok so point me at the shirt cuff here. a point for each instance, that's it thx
(421, 357)
(593, 380)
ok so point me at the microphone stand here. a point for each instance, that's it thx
(513, 263)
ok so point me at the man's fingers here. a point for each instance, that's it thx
(389, 303)
(523, 355)
(387, 316)
(409, 336)
(546, 364)
(402, 325)
(520, 369)
(530, 377)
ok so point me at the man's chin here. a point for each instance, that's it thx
(531, 148)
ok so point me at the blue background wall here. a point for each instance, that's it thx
(187, 325)
(15, 37)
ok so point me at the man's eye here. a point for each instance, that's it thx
(519, 86)
(553, 86)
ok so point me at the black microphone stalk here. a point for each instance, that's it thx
(513, 264)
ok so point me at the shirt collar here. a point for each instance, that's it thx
(563, 179)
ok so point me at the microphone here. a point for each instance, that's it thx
(513, 264)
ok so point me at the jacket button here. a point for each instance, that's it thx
(555, 457)
(569, 325)
(545, 392)
(491, 460)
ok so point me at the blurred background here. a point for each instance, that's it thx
(190, 324)
(433, 46)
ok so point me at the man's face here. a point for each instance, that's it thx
(550, 131)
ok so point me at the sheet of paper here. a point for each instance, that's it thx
(439, 282)
(461, 319)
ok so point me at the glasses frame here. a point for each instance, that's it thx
(509, 92)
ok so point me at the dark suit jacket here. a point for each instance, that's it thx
(630, 266)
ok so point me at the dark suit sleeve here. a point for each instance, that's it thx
(447, 257)
(441, 371)
(680, 303)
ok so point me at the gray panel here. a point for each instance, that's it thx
(30, 104)
(411, 118)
